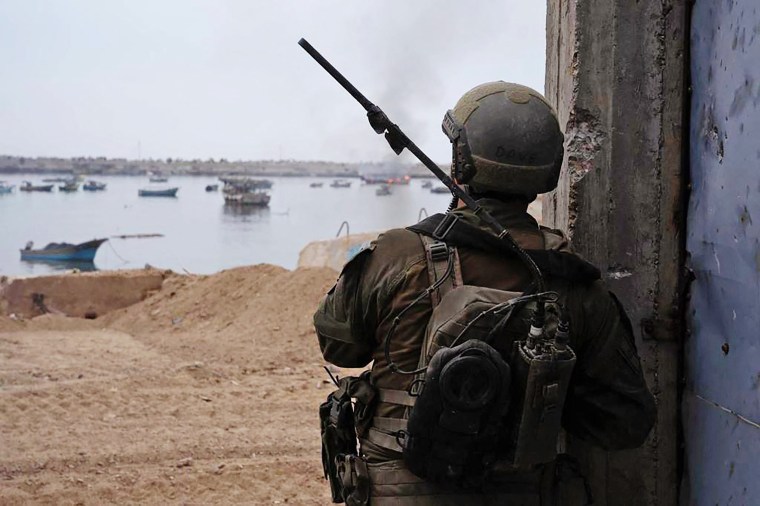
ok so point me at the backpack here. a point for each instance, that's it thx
(490, 388)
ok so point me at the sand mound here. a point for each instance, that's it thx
(262, 314)
(206, 392)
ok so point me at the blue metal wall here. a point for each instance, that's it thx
(721, 405)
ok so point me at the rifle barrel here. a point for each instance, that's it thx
(364, 101)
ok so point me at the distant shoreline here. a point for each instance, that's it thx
(209, 168)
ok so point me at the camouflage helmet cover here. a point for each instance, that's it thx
(506, 139)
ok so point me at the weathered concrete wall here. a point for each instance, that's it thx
(86, 294)
(333, 253)
(722, 392)
(615, 72)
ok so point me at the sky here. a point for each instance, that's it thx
(226, 78)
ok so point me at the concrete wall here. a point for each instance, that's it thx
(722, 393)
(615, 72)
(334, 253)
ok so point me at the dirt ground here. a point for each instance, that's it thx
(206, 392)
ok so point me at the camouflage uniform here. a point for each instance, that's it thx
(608, 403)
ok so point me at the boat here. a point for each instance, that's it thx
(340, 183)
(427, 184)
(70, 186)
(6, 188)
(157, 177)
(382, 191)
(26, 186)
(93, 186)
(247, 199)
(168, 192)
(440, 189)
(385, 179)
(245, 191)
(242, 182)
(56, 179)
(212, 187)
(316, 185)
(63, 251)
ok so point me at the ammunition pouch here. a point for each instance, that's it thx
(346, 411)
(354, 477)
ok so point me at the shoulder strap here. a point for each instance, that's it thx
(437, 256)
(450, 229)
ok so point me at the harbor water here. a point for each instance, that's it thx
(198, 232)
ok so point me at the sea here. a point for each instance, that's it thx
(195, 232)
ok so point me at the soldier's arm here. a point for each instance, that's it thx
(609, 403)
(343, 338)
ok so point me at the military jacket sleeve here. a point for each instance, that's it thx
(342, 335)
(608, 403)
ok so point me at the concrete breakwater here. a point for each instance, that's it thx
(210, 167)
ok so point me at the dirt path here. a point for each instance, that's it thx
(207, 392)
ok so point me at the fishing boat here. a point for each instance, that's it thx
(70, 186)
(63, 251)
(6, 188)
(316, 185)
(168, 192)
(237, 182)
(382, 191)
(245, 191)
(212, 187)
(26, 186)
(258, 198)
(427, 184)
(93, 186)
(340, 183)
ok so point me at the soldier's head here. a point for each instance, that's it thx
(506, 141)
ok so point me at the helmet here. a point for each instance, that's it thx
(506, 139)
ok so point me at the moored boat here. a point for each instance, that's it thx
(316, 185)
(382, 191)
(93, 186)
(83, 252)
(168, 192)
(158, 179)
(233, 184)
(6, 188)
(70, 186)
(212, 187)
(247, 199)
(245, 191)
(340, 183)
(440, 189)
(29, 187)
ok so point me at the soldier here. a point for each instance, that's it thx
(507, 148)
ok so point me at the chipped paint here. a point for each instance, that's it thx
(721, 407)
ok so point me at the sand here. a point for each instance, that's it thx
(204, 393)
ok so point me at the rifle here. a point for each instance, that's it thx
(398, 141)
